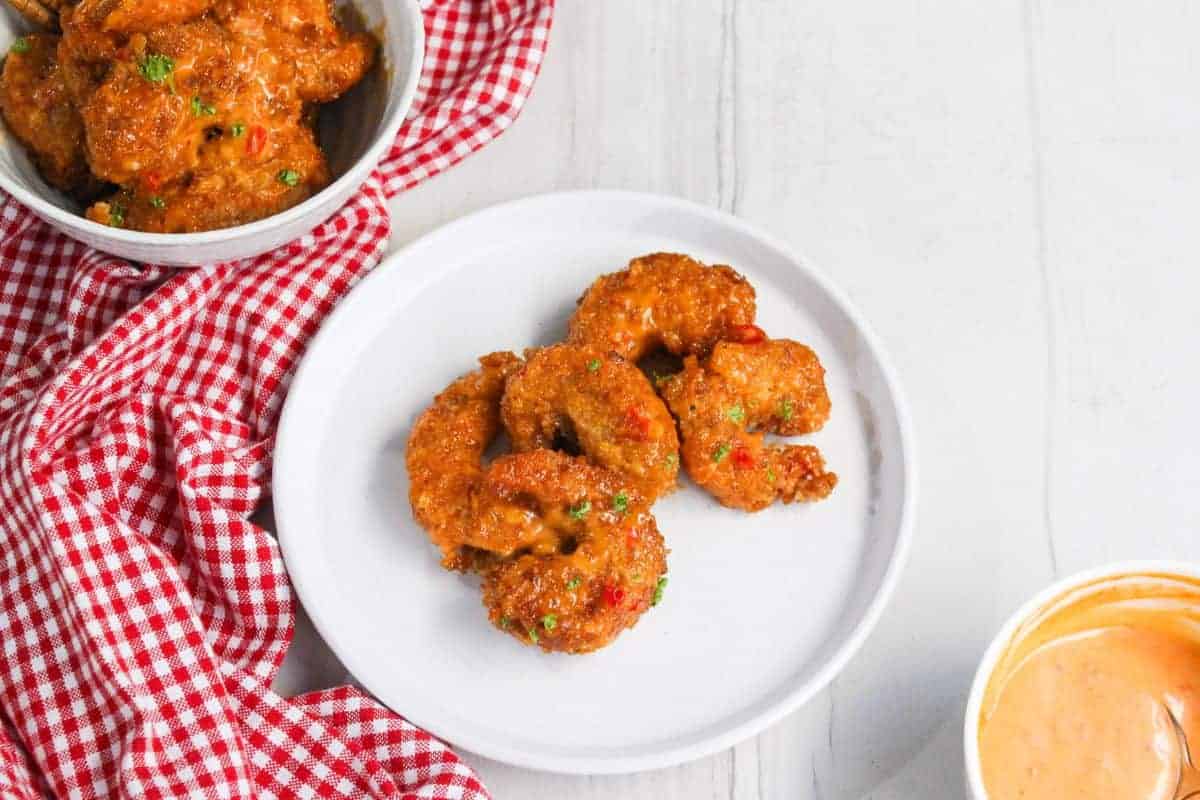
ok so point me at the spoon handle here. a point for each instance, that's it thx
(1188, 786)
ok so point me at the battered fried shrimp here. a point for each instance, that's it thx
(444, 456)
(781, 384)
(603, 572)
(216, 197)
(602, 402)
(165, 135)
(139, 16)
(32, 100)
(325, 59)
(201, 113)
(724, 405)
(663, 300)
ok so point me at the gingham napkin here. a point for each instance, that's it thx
(142, 616)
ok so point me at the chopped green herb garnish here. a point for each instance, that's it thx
(533, 636)
(289, 177)
(593, 365)
(505, 622)
(621, 502)
(573, 584)
(549, 621)
(660, 379)
(720, 453)
(658, 591)
(158, 68)
(237, 129)
(21, 45)
(116, 215)
(671, 460)
(158, 202)
(785, 410)
(770, 475)
(736, 414)
(581, 511)
(202, 109)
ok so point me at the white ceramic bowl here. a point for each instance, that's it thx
(355, 132)
(974, 770)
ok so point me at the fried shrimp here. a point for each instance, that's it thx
(31, 101)
(727, 402)
(445, 471)
(667, 301)
(603, 569)
(560, 530)
(470, 510)
(570, 553)
(602, 402)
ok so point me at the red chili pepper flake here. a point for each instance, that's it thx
(614, 595)
(639, 422)
(257, 141)
(747, 334)
(631, 537)
(742, 458)
(152, 180)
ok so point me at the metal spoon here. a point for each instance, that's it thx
(1188, 784)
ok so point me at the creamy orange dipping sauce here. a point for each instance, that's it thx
(1077, 704)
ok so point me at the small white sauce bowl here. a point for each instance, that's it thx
(355, 132)
(996, 650)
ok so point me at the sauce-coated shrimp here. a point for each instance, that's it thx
(663, 300)
(602, 402)
(724, 405)
(607, 566)
(445, 473)
(32, 101)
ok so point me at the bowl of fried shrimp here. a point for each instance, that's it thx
(199, 131)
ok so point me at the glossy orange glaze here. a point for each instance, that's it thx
(601, 401)
(727, 402)
(445, 466)
(1078, 704)
(35, 105)
(200, 112)
(662, 300)
(570, 553)
(601, 572)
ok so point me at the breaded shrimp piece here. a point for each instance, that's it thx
(444, 455)
(326, 59)
(34, 104)
(215, 196)
(132, 16)
(781, 384)
(606, 570)
(137, 126)
(601, 401)
(663, 300)
(724, 404)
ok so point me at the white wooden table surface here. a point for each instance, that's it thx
(1009, 190)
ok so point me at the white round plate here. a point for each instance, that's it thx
(761, 611)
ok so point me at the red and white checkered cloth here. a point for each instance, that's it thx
(142, 616)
